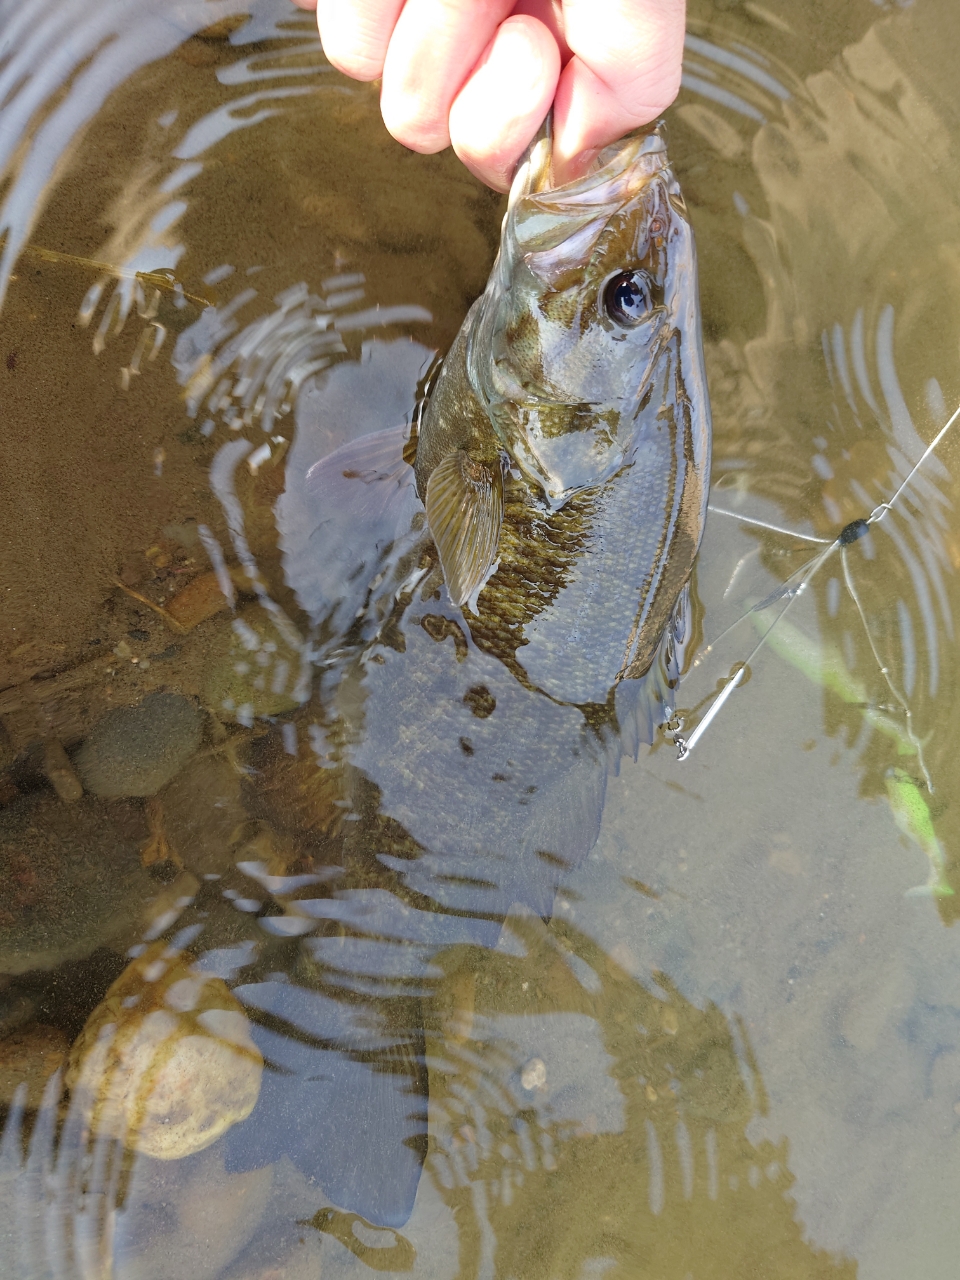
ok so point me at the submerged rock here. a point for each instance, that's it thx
(134, 751)
(202, 811)
(70, 878)
(165, 1063)
(199, 600)
(253, 670)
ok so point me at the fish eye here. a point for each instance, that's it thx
(628, 298)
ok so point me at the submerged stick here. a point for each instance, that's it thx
(162, 279)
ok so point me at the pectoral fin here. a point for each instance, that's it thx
(464, 505)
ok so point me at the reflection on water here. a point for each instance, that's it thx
(653, 1176)
(577, 1118)
(735, 1046)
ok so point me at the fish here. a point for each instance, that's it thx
(497, 596)
(578, 375)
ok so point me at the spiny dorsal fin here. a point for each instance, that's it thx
(464, 511)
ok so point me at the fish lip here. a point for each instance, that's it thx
(565, 221)
(649, 158)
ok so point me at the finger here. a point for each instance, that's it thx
(625, 72)
(504, 100)
(434, 47)
(550, 13)
(305, 4)
(356, 33)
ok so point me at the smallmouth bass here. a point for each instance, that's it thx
(576, 384)
(497, 612)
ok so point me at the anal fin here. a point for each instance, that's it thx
(464, 503)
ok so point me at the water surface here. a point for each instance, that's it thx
(734, 1048)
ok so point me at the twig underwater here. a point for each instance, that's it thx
(797, 583)
(135, 291)
(162, 279)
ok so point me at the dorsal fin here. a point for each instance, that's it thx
(464, 503)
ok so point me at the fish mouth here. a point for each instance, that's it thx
(553, 229)
(615, 177)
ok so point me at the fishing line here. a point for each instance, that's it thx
(884, 671)
(850, 533)
(782, 590)
(686, 745)
(878, 513)
(765, 524)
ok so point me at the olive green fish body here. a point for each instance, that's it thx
(563, 454)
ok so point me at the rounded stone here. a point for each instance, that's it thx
(134, 751)
(253, 670)
(165, 1064)
(70, 878)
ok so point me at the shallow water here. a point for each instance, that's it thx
(736, 1047)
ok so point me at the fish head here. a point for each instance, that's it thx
(590, 320)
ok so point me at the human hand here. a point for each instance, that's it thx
(481, 74)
